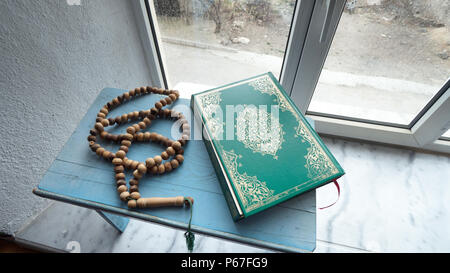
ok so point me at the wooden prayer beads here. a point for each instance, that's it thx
(173, 155)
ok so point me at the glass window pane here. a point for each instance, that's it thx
(214, 42)
(387, 60)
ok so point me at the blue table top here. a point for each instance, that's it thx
(80, 177)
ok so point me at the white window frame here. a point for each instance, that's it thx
(313, 28)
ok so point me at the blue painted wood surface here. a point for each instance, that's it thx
(118, 222)
(80, 177)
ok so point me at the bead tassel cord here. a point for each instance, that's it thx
(167, 161)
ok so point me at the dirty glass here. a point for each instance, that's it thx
(386, 61)
(215, 42)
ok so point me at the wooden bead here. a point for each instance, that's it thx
(115, 138)
(142, 169)
(150, 162)
(134, 182)
(127, 163)
(158, 159)
(134, 188)
(161, 169)
(101, 115)
(158, 105)
(95, 147)
(105, 135)
(142, 125)
(168, 166)
(170, 151)
(146, 136)
(154, 169)
(176, 145)
(136, 127)
(163, 102)
(124, 196)
(111, 121)
(100, 151)
(105, 123)
(159, 138)
(154, 111)
(120, 154)
(153, 136)
(116, 101)
(122, 188)
(128, 137)
(135, 195)
(134, 164)
(139, 137)
(179, 158)
(164, 155)
(131, 130)
(174, 163)
(124, 118)
(132, 204)
(104, 111)
(91, 138)
(173, 97)
(147, 121)
(126, 143)
(137, 91)
(106, 154)
(117, 161)
(124, 148)
(168, 100)
(137, 174)
(121, 182)
(99, 127)
(120, 176)
(126, 95)
(119, 169)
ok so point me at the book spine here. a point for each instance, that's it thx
(216, 164)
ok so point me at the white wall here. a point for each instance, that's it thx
(54, 60)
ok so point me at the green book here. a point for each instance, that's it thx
(263, 149)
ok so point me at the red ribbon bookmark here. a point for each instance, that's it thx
(339, 194)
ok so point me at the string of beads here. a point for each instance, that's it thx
(170, 159)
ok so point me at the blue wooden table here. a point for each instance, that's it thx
(80, 177)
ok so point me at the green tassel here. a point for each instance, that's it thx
(190, 237)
